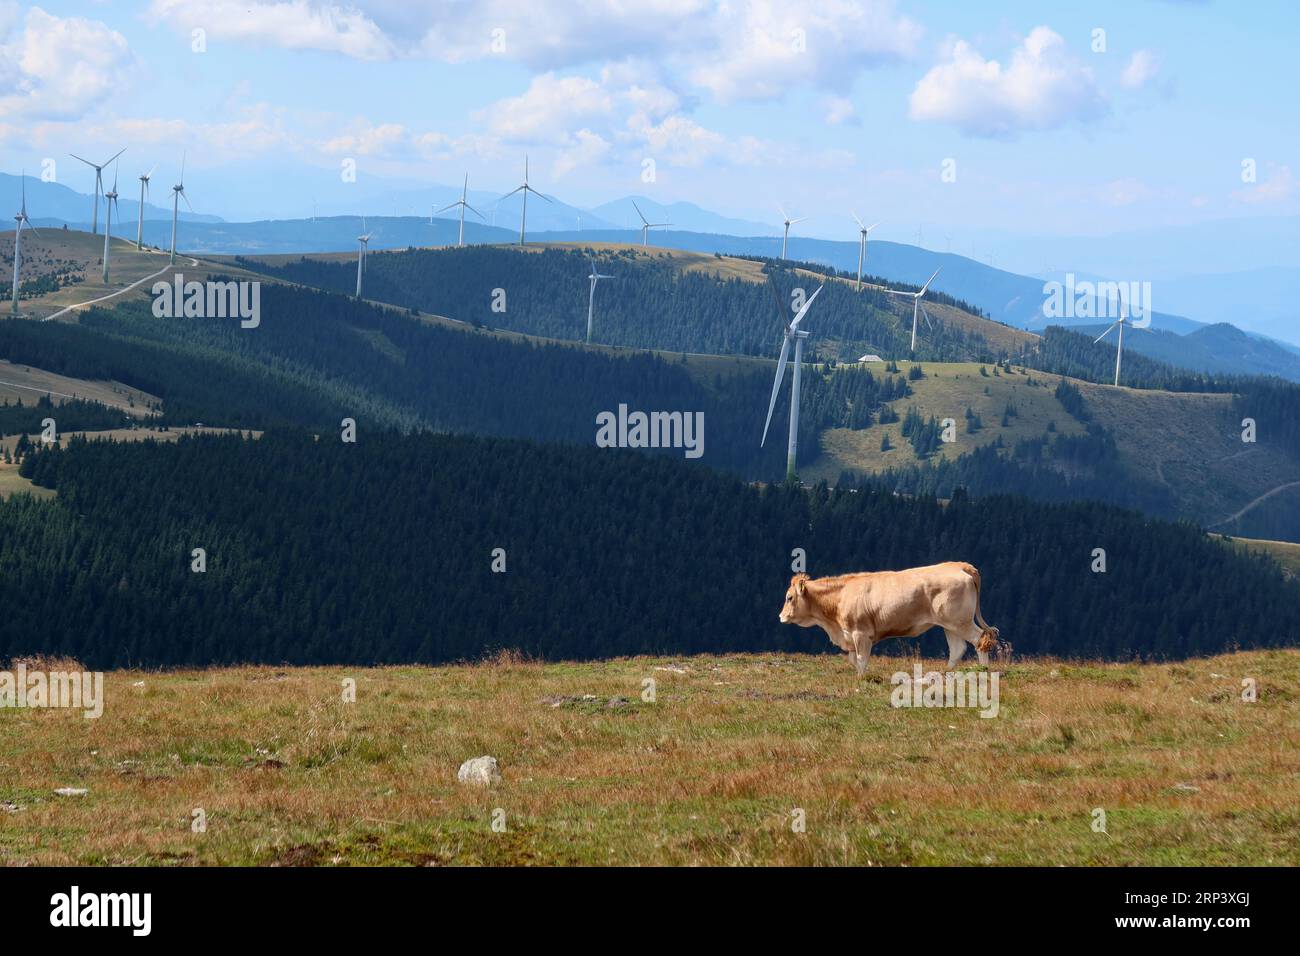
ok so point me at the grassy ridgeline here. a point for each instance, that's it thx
(381, 551)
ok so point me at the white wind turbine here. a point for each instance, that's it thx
(144, 193)
(862, 246)
(525, 189)
(362, 252)
(916, 304)
(1120, 323)
(99, 182)
(22, 223)
(646, 224)
(460, 237)
(110, 203)
(798, 335)
(591, 296)
(785, 216)
(178, 193)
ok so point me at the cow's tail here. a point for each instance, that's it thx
(988, 641)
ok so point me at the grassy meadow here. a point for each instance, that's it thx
(711, 772)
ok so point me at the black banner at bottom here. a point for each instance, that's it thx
(330, 905)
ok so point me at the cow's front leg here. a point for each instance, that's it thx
(862, 653)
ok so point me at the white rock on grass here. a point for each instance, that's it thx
(71, 791)
(480, 770)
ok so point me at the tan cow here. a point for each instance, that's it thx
(858, 610)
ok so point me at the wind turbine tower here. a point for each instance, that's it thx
(178, 193)
(110, 201)
(916, 305)
(22, 223)
(461, 202)
(862, 246)
(788, 223)
(591, 296)
(364, 240)
(525, 189)
(792, 332)
(144, 193)
(1120, 323)
(99, 183)
(646, 225)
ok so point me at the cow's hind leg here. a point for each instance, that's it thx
(969, 634)
(956, 647)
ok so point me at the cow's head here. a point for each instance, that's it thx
(798, 603)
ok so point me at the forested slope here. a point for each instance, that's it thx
(649, 303)
(317, 358)
(381, 551)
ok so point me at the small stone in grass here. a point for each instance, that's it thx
(479, 770)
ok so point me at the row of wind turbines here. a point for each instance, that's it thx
(462, 204)
(110, 197)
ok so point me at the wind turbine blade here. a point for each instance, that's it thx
(644, 221)
(804, 311)
(776, 387)
(872, 226)
(928, 324)
(450, 205)
(114, 156)
(543, 195)
(857, 220)
(802, 219)
(473, 210)
(187, 201)
(149, 175)
(784, 214)
(1104, 334)
(511, 193)
(86, 161)
(928, 281)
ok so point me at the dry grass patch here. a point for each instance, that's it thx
(709, 772)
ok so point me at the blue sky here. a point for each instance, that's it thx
(825, 106)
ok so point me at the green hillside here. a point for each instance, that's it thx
(657, 299)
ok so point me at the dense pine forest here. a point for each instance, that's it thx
(382, 551)
(650, 303)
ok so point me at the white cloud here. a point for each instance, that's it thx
(369, 140)
(1125, 192)
(57, 67)
(1277, 187)
(544, 34)
(547, 110)
(1142, 68)
(588, 148)
(735, 50)
(839, 109)
(1043, 87)
(681, 141)
(763, 47)
(291, 24)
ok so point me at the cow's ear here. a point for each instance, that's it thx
(800, 585)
